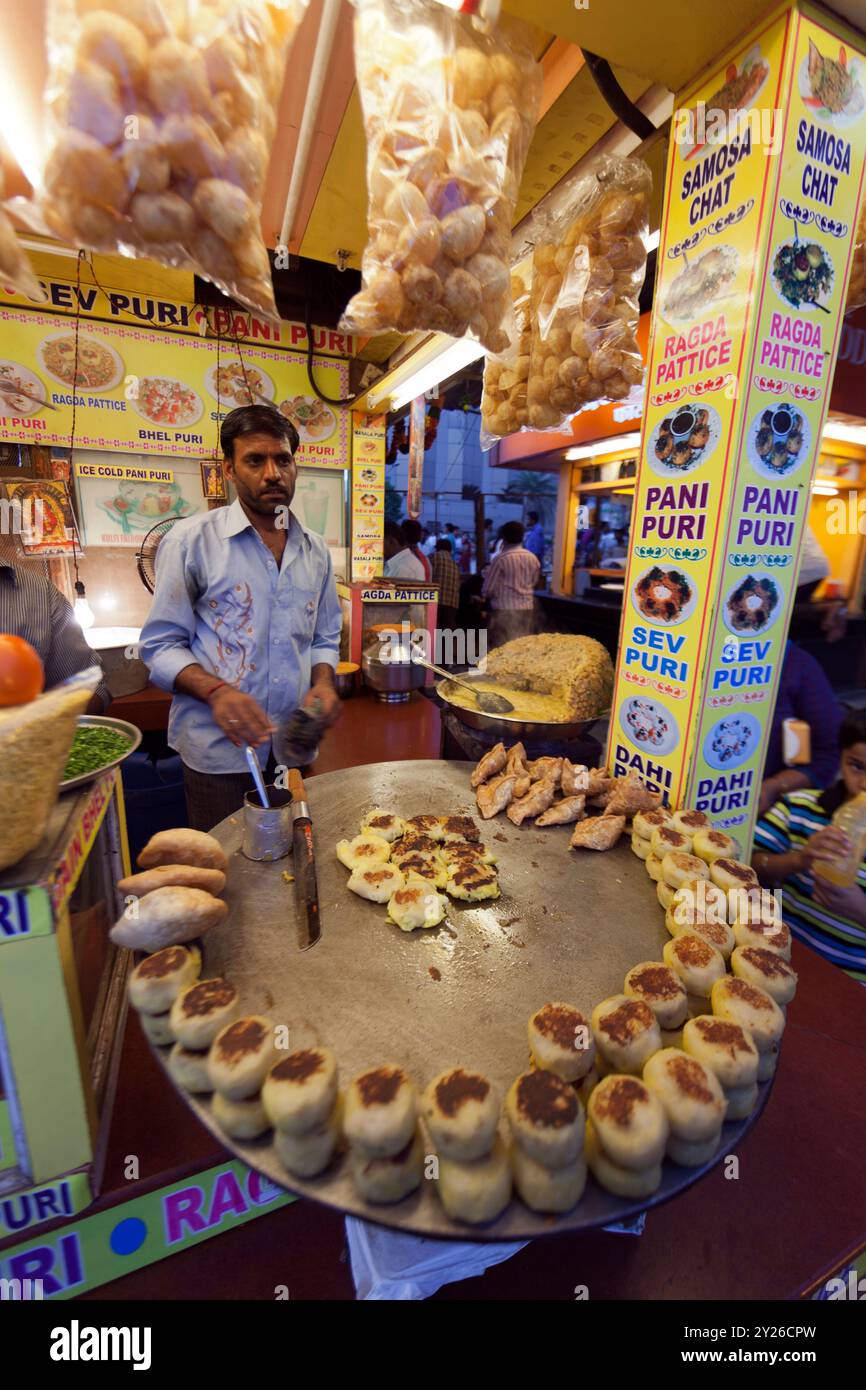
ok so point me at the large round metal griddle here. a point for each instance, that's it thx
(567, 927)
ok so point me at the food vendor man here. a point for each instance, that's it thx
(245, 620)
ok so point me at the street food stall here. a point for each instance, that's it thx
(497, 970)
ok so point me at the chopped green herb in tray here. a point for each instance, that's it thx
(94, 748)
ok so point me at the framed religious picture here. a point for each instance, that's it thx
(213, 483)
(41, 512)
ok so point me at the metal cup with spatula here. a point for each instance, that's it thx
(487, 702)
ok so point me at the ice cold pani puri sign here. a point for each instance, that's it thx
(718, 183)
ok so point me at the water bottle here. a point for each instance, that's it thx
(851, 820)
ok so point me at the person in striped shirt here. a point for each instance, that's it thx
(509, 587)
(797, 832)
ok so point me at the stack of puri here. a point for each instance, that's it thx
(174, 898)
(302, 1102)
(386, 1153)
(461, 1111)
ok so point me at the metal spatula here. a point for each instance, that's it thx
(487, 703)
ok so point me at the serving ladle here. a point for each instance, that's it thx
(487, 703)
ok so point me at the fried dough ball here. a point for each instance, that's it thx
(491, 273)
(193, 150)
(252, 257)
(116, 44)
(224, 58)
(162, 217)
(177, 79)
(421, 285)
(462, 295)
(211, 251)
(418, 243)
(246, 160)
(449, 195)
(225, 208)
(425, 167)
(79, 169)
(92, 102)
(147, 15)
(471, 74)
(462, 232)
(406, 203)
(145, 164)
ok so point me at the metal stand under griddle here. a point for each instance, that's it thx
(567, 926)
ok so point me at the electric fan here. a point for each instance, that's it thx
(146, 557)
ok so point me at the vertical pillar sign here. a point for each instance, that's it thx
(763, 183)
(417, 422)
(368, 494)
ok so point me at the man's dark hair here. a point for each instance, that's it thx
(411, 531)
(394, 531)
(443, 545)
(533, 517)
(449, 526)
(512, 533)
(256, 419)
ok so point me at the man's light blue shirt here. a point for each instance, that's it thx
(534, 541)
(222, 601)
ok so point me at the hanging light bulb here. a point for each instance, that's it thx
(84, 614)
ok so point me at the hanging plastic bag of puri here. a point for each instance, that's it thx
(503, 399)
(449, 113)
(588, 269)
(161, 117)
(15, 268)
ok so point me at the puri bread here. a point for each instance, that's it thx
(383, 823)
(741, 1100)
(726, 1048)
(376, 883)
(363, 851)
(189, 1070)
(183, 846)
(641, 847)
(545, 1118)
(767, 1062)
(698, 900)
(417, 905)
(730, 873)
(461, 1110)
(629, 1120)
(653, 866)
(389, 1179)
(716, 934)
(697, 963)
(472, 882)
(561, 1041)
(475, 1192)
(299, 1092)
(751, 1007)
(690, 822)
(241, 1056)
(678, 868)
(157, 1028)
(381, 1111)
(307, 1155)
(241, 1119)
(173, 875)
(622, 1182)
(156, 981)
(664, 893)
(167, 917)
(198, 1013)
(665, 839)
(769, 936)
(547, 1189)
(657, 986)
(626, 1033)
(645, 822)
(766, 969)
(691, 1153)
(689, 1092)
(754, 906)
(714, 844)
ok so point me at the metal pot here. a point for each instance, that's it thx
(392, 680)
(510, 726)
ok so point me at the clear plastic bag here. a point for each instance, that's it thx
(162, 114)
(857, 284)
(449, 113)
(14, 266)
(588, 268)
(503, 400)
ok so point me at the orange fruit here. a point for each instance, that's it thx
(21, 675)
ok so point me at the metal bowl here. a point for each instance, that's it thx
(102, 721)
(511, 726)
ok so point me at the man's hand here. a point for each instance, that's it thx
(845, 902)
(240, 717)
(329, 700)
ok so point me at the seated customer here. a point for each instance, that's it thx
(794, 835)
(804, 693)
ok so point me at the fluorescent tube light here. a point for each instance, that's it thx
(613, 444)
(404, 383)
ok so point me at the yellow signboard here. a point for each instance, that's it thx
(762, 190)
(124, 472)
(368, 494)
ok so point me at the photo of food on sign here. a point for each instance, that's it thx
(832, 87)
(166, 402)
(714, 120)
(21, 391)
(732, 740)
(94, 366)
(778, 440)
(138, 506)
(684, 439)
(311, 417)
(701, 285)
(236, 383)
(664, 596)
(803, 274)
(752, 605)
(649, 725)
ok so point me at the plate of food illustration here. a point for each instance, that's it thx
(13, 380)
(312, 419)
(138, 506)
(684, 439)
(803, 274)
(752, 605)
(664, 596)
(778, 440)
(239, 383)
(732, 740)
(740, 90)
(832, 88)
(97, 367)
(648, 724)
(166, 401)
(701, 285)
